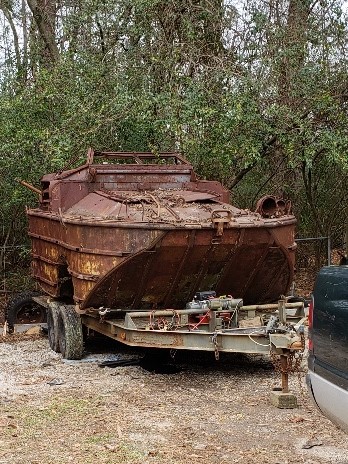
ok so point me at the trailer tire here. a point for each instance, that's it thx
(52, 326)
(22, 309)
(70, 332)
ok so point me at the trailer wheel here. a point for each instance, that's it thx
(70, 332)
(52, 326)
(22, 309)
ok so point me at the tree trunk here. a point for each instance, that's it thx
(294, 50)
(25, 61)
(8, 16)
(43, 13)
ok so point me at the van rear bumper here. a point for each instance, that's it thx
(330, 399)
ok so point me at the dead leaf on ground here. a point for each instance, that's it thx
(109, 447)
(296, 419)
(12, 426)
(4, 422)
(30, 382)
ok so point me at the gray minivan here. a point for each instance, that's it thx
(327, 377)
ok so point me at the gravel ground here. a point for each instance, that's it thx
(55, 411)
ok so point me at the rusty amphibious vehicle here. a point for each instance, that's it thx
(141, 231)
(136, 247)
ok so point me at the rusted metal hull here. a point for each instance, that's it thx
(152, 235)
(132, 267)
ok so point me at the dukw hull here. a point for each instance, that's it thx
(142, 236)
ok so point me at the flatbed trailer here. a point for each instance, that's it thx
(134, 330)
(121, 243)
(219, 325)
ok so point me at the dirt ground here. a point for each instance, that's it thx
(57, 411)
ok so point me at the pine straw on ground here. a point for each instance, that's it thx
(12, 339)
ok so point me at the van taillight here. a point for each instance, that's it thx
(310, 324)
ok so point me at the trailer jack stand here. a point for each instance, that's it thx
(281, 397)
